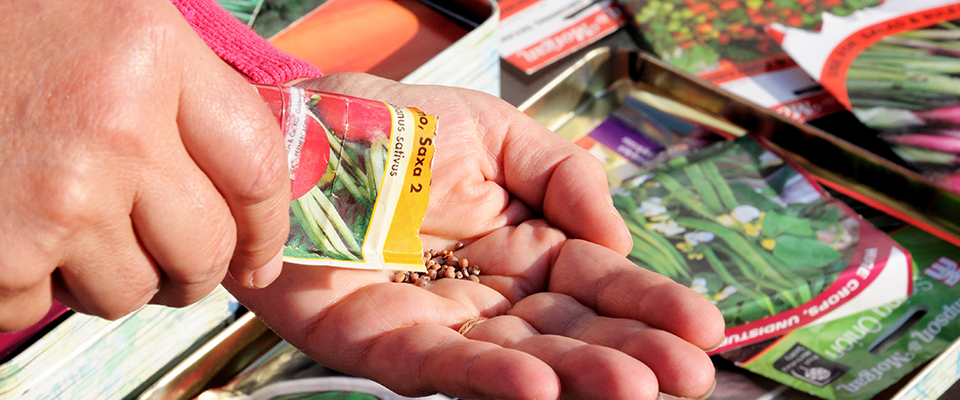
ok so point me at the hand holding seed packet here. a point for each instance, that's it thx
(533, 211)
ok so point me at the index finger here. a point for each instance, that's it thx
(564, 181)
(615, 287)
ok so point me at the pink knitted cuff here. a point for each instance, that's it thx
(241, 47)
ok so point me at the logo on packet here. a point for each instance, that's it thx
(944, 270)
(806, 365)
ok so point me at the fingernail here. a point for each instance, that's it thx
(709, 392)
(663, 396)
(717, 346)
(268, 273)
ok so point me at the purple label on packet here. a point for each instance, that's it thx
(626, 141)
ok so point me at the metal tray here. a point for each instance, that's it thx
(585, 94)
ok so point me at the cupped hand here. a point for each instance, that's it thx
(136, 166)
(569, 315)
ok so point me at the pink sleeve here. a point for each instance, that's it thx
(241, 47)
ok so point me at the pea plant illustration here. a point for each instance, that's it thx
(736, 224)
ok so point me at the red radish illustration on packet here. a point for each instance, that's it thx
(308, 147)
(349, 160)
(896, 66)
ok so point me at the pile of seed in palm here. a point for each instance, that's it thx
(440, 264)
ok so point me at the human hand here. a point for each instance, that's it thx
(568, 317)
(136, 165)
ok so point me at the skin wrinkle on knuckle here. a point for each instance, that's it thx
(265, 242)
(220, 253)
(633, 343)
(554, 183)
(124, 300)
(604, 300)
(469, 369)
(569, 356)
(268, 169)
(579, 325)
(208, 262)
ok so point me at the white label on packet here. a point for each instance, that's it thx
(812, 49)
(296, 132)
(535, 33)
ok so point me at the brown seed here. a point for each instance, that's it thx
(440, 264)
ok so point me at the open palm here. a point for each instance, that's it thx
(570, 316)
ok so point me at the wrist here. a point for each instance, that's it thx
(241, 47)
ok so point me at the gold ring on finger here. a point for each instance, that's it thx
(467, 326)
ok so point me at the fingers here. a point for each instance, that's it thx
(585, 371)
(613, 286)
(185, 229)
(399, 334)
(234, 138)
(564, 181)
(682, 369)
(516, 260)
(425, 357)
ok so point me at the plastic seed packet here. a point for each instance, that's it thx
(286, 373)
(746, 230)
(360, 175)
(896, 66)
(859, 356)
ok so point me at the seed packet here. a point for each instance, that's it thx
(724, 42)
(286, 373)
(745, 229)
(860, 355)
(896, 66)
(360, 178)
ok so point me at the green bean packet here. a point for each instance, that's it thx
(863, 354)
(751, 233)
